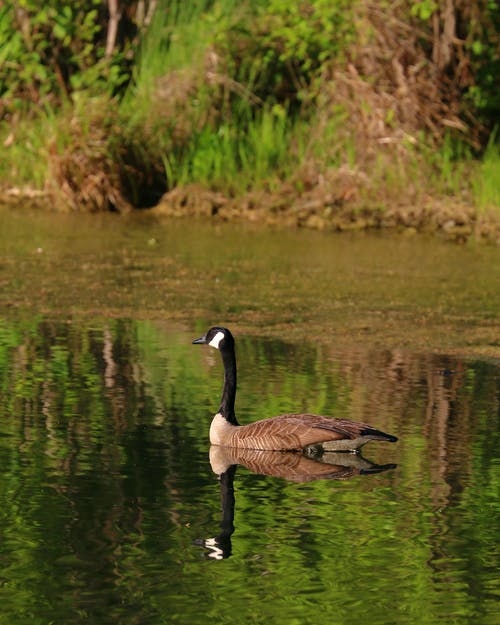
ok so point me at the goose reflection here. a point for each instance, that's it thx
(293, 466)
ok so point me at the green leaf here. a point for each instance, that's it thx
(477, 47)
(58, 31)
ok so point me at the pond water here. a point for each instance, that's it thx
(111, 510)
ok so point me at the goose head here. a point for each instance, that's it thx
(217, 337)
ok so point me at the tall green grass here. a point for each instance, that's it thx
(486, 179)
(215, 132)
(235, 158)
(24, 159)
(446, 166)
(454, 170)
(177, 37)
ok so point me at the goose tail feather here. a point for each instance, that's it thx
(378, 435)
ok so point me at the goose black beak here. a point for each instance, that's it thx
(201, 341)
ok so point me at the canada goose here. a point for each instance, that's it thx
(286, 432)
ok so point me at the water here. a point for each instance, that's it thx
(108, 497)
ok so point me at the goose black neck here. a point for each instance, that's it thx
(229, 389)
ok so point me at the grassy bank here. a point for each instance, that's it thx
(325, 114)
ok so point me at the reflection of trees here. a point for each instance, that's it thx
(430, 395)
(73, 388)
(99, 425)
(446, 412)
(80, 422)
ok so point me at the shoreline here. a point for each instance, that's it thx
(320, 209)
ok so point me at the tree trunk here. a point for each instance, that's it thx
(444, 26)
(114, 18)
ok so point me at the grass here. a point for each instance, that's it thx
(177, 38)
(486, 180)
(208, 129)
(235, 158)
(259, 150)
(24, 160)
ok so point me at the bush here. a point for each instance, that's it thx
(49, 50)
(279, 48)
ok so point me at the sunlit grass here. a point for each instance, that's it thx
(24, 153)
(234, 157)
(177, 38)
(445, 166)
(486, 180)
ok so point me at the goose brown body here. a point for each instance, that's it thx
(287, 432)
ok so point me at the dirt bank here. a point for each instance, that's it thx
(334, 210)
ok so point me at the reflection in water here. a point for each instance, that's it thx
(219, 547)
(105, 482)
(293, 466)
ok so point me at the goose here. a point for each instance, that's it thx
(286, 432)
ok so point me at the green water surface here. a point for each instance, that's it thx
(108, 498)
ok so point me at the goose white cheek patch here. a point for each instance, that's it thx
(216, 340)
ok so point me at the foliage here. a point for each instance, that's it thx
(280, 48)
(243, 95)
(484, 50)
(466, 43)
(48, 50)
